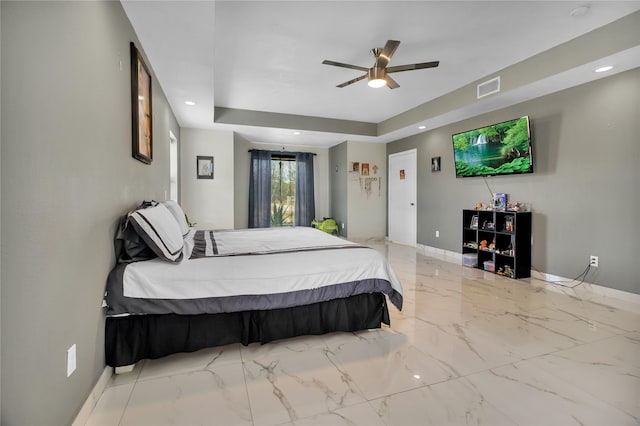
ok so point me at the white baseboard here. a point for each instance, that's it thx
(584, 291)
(94, 396)
(438, 253)
(587, 290)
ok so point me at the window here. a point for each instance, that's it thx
(283, 190)
(173, 167)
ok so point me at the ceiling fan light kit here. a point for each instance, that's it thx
(378, 74)
(377, 77)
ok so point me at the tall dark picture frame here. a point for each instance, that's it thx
(204, 167)
(141, 113)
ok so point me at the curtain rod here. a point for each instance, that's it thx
(283, 152)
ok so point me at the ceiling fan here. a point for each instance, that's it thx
(378, 74)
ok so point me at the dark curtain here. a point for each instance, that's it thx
(305, 199)
(260, 190)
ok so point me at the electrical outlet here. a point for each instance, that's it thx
(343, 226)
(593, 261)
(437, 234)
(71, 360)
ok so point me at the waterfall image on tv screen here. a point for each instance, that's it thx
(499, 149)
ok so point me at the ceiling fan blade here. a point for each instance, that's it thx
(411, 67)
(391, 83)
(355, 80)
(387, 52)
(340, 64)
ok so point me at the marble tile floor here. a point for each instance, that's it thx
(469, 347)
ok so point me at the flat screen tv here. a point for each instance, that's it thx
(498, 149)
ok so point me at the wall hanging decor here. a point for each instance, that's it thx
(435, 164)
(142, 128)
(204, 167)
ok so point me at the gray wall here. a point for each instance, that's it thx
(360, 215)
(241, 167)
(367, 210)
(583, 193)
(208, 202)
(67, 176)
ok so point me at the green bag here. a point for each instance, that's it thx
(327, 225)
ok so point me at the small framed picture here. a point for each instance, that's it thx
(508, 224)
(435, 164)
(204, 167)
(474, 222)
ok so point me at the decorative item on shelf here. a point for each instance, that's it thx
(492, 246)
(518, 206)
(499, 201)
(483, 245)
(488, 225)
(508, 224)
(508, 272)
(474, 222)
(479, 206)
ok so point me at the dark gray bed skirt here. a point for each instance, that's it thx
(133, 338)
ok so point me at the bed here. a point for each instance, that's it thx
(210, 288)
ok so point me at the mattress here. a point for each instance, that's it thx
(256, 269)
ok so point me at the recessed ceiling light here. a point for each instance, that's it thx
(603, 69)
(296, 133)
(422, 127)
(190, 103)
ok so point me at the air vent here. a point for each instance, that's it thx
(489, 87)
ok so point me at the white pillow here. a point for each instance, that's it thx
(160, 230)
(177, 212)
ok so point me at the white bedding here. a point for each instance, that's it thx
(325, 260)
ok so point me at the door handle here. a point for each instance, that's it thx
(413, 204)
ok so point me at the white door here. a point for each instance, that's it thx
(403, 216)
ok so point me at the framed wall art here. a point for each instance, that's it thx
(204, 167)
(142, 128)
(435, 164)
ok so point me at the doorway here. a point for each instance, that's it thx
(403, 185)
